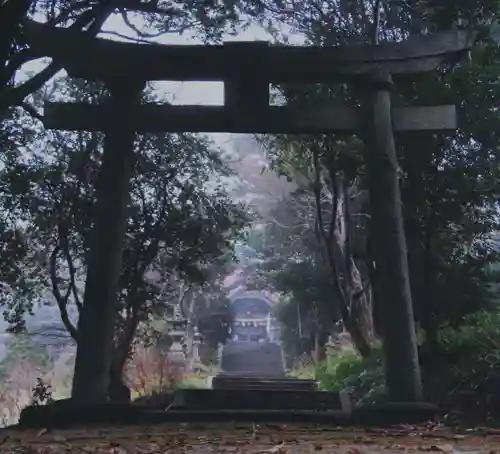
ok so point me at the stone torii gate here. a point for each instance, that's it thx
(247, 70)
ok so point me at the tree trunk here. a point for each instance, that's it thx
(354, 327)
(118, 391)
(356, 310)
(375, 291)
(319, 354)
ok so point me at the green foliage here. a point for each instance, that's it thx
(345, 370)
(215, 325)
(291, 263)
(473, 348)
(466, 373)
(449, 182)
(477, 332)
(194, 380)
(42, 393)
(181, 220)
(450, 189)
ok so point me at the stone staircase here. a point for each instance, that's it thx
(243, 392)
(253, 379)
(252, 358)
(252, 387)
(256, 382)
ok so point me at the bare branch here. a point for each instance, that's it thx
(62, 301)
(72, 273)
(149, 7)
(140, 33)
(347, 228)
(376, 21)
(122, 36)
(317, 194)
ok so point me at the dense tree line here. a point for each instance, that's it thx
(449, 182)
(181, 223)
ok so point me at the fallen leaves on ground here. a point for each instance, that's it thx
(239, 438)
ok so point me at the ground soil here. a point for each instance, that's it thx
(249, 438)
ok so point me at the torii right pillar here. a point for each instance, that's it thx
(394, 301)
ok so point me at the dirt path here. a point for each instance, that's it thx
(248, 438)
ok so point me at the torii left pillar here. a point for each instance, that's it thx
(97, 317)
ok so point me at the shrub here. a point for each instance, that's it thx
(478, 333)
(194, 380)
(303, 368)
(150, 372)
(469, 373)
(345, 370)
(42, 393)
(16, 391)
(207, 354)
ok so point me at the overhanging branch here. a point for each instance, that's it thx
(94, 18)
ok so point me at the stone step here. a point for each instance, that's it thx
(256, 399)
(43, 418)
(264, 383)
(257, 357)
(67, 414)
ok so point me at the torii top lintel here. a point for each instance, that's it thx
(102, 59)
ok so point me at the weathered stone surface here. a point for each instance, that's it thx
(263, 358)
(234, 399)
(66, 413)
(230, 381)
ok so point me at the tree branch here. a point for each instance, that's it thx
(376, 21)
(62, 301)
(72, 272)
(347, 228)
(14, 96)
(317, 194)
(149, 7)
